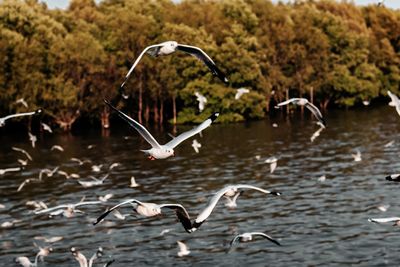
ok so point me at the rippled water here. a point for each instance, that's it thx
(317, 223)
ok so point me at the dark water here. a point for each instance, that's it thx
(317, 223)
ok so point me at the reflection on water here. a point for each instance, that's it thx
(317, 223)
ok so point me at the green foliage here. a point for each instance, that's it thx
(69, 60)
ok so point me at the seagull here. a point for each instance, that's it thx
(25, 262)
(163, 151)
(67, 176)
(16, 169)
(170, 47)
(273, 163)
(322, 178)
(80, 162)
(240, 92)
(357, 157)
(165, 231)
(33, 139)
(231, 202)
(3, 120)
(105, 198)
(385, 220)
(389, 144)
(22, 101)
(83, 262)
(196, 145)
(201, 99)
(57, 147)
(37, 205)
(249, 236)
(66, 209)
(43, 252)
(395, 101)
(114, 165)
(133, 182)
(317, 132)
(307, 104)
(22, 162)
(22, 151)
(50, 239)
(183, 249)
(229, 191)
(46, 127)
(97, 168)
(95, 181)
(119, 215)
(366, 102)
(48, 172)
(393, 177)
(27, 181)
(152, 209)
(383, 208)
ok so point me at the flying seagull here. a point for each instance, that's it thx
(307, 104)
(231, 201)
(15, 169)
(3, 120)
(357, 157)
(229, 191)
(386, 220)
(95, 181)
(22, 151)
(240, 92)
(196, 145)
(201, 99)
(22, 101)
(273, 162)
(170, 47)
(249, 236)
(395, 101)
(83, 262)
(183, 249)
(163, 151)
(152, 209)
(46, 127)
(32, 138)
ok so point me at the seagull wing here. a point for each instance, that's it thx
(316, 113)
(183, 136)
(181, 213)
(137, 126)
(129, 201)
(51, 209)
(137, 61)
(288, 102)
(200, 54)
(266, 236)
(22, 151)
(257, 188)
(20, 115)
(384, 220)
(233, 241)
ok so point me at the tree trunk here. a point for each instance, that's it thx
(312, 95)
(287, 98)
(105, 118)
(161, 112)
(155, 111)
(174, 108)
(147, 113)
(140, 101)
(325, 104)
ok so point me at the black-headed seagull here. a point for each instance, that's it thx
(307, 104)
(228, 191)
(395, 101)
(240, 92)
(245, 237)
(163, 151)
(170, 47)
(152, 209)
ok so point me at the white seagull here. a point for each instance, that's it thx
(46, 127)
(57, 147)
(97, 168)
(133, 182)
(231, 201)
(152, 209)
(22, 101)
(4, 171)
(3, 120)
(95, 181)
(170, 47)
(67, 176)
(32, 138)
(396, 220)
(83, 262)
(395, 101)
(183, 249)
(80, 162)
(48, 172)
(163, 151)
(66, 209)
(196, 145)
(229, 191)
(22, 151)
(240, 92)
(245, 237)
(201, 99)
(273, 162)
(357, 157)
(307, 104)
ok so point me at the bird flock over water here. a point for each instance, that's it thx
(230, 193)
